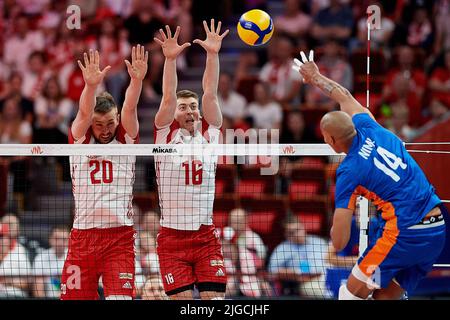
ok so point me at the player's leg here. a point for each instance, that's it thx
(79, 280)
(174, 255)
(118, 269)
(393, 292)
(209, 266)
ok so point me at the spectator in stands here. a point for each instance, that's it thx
(36, 75)
(153, 289)
(14, 89)
(293, 21)
(341, 263)
(440, 81)
(266, 113)
(420, 29)
(232, 104)
(406, 84)
(148, 257)
(53, 112)
(145, 18)
(296, 131)
(334, 67)
(334, 21)
(14, 129)
(442, 26)
(113, 45)
(251, 254)
(283, 82)
(300, 259)
(14, 265)
(19, 47)
(150, 222)
(398, 123)
(437, 110)
(48, 265)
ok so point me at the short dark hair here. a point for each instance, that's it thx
(104, 103)
(187, 94)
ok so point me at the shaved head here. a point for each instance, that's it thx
(338, 130)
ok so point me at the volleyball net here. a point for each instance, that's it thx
(272, 206)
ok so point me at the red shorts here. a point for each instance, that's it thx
(108, 253)
(191, 257)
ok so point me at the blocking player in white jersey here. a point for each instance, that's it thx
(189, 250)
(102, 239)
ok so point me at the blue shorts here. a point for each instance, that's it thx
(406, 256)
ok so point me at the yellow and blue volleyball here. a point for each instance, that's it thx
(255, 27)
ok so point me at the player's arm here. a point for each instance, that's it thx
(171, 50)
(212, 44)
(137, 70)
(332, 258)
(340, 231)
(310, 73)
(92, 78)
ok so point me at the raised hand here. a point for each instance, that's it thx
(213, 40)
(139, 63)
(171, 48)
(91, 70)
(308, 69)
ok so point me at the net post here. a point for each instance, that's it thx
(363, 205)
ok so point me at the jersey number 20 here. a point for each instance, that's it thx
(392, 161)
(105, 167)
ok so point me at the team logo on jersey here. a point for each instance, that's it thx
(127, 285)
(216, 263)
(128, 276)
(220, 273)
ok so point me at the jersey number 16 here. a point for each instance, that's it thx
(194, 169)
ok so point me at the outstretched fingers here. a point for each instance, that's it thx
(169, 33)
(224, 34)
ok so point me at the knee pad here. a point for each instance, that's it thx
(345, 294)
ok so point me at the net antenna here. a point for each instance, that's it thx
(363, 203)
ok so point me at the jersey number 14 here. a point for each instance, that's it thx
(392, 161)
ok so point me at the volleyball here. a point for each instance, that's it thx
(255, 27)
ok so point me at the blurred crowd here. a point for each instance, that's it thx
(40, 84)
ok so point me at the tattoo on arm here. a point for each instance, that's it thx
(328, 86)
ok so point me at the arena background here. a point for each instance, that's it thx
(40, 85)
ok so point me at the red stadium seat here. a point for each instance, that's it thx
(266, 216)
(250, 188)
(262, 222)
(220, 219)
(310, 175)
(314, 210)
(313, 222)
(220, 187)
(303, 189)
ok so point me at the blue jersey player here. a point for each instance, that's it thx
(378, 167)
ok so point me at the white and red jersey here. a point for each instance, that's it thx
(186, 184)
(103, 185)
